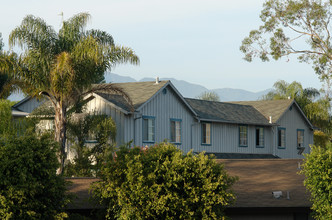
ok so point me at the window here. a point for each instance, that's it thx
(176, 131)
(260, 137)
(300, 138)
(206, 133)
(148, 129)
(243, 136)
(281, 137)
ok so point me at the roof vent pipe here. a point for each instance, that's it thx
(157, 80)
(270, 119)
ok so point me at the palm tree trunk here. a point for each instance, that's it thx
(60, 132)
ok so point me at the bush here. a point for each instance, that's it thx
(318, 171)
(320, 138)
(29, 186)
(161, 183)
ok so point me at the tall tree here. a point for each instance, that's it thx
(293, 27)
(7, 83)
(63, 66)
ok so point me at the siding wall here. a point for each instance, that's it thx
(165, 107)
(225, 139)
(293, 120)
(100, 107)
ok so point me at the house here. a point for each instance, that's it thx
(266, 189)
(260, 129)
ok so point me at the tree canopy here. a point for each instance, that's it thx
(29, 186)
(317, 169)
(7, 83)
(160, 182)
(209, 96)
(293, 27)
(64, 65)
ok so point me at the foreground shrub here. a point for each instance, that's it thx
(162, 183)
(318, 171)
(29, 186)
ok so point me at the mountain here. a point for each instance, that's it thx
(191, 90)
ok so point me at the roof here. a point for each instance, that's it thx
(258, 178)
(227, 112)
(139, 93)
(27, 98)
(274, 108)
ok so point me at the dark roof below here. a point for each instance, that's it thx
(259, 178)
(227, 112)
(80, 187)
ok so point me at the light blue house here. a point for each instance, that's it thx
(258, 129)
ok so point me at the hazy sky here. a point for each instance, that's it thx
(193, 40)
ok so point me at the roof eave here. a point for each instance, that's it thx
(236, 122)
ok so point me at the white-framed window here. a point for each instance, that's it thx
(243, 136)
(259, 137)
(281, 137)
(148, 129)
(300, 138)
(176, 131)
(206, 133)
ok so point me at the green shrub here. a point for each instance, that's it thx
(161, 183)
(318, 171)
(29, 186)
(320, 138)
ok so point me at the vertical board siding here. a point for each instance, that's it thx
(98, 106)
(164, 107)
(293, 120)
(225, 139)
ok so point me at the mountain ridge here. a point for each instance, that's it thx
(187, 89)
(192, 90)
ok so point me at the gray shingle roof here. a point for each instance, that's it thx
(227, 112)
(138, 92)
(274, 108)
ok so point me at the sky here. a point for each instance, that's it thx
(193, 40)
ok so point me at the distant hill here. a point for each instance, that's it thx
(191, 90)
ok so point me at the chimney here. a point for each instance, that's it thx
(270, 119)
(157, 80)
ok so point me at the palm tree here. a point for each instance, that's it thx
(63, 66)
(7, 82)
